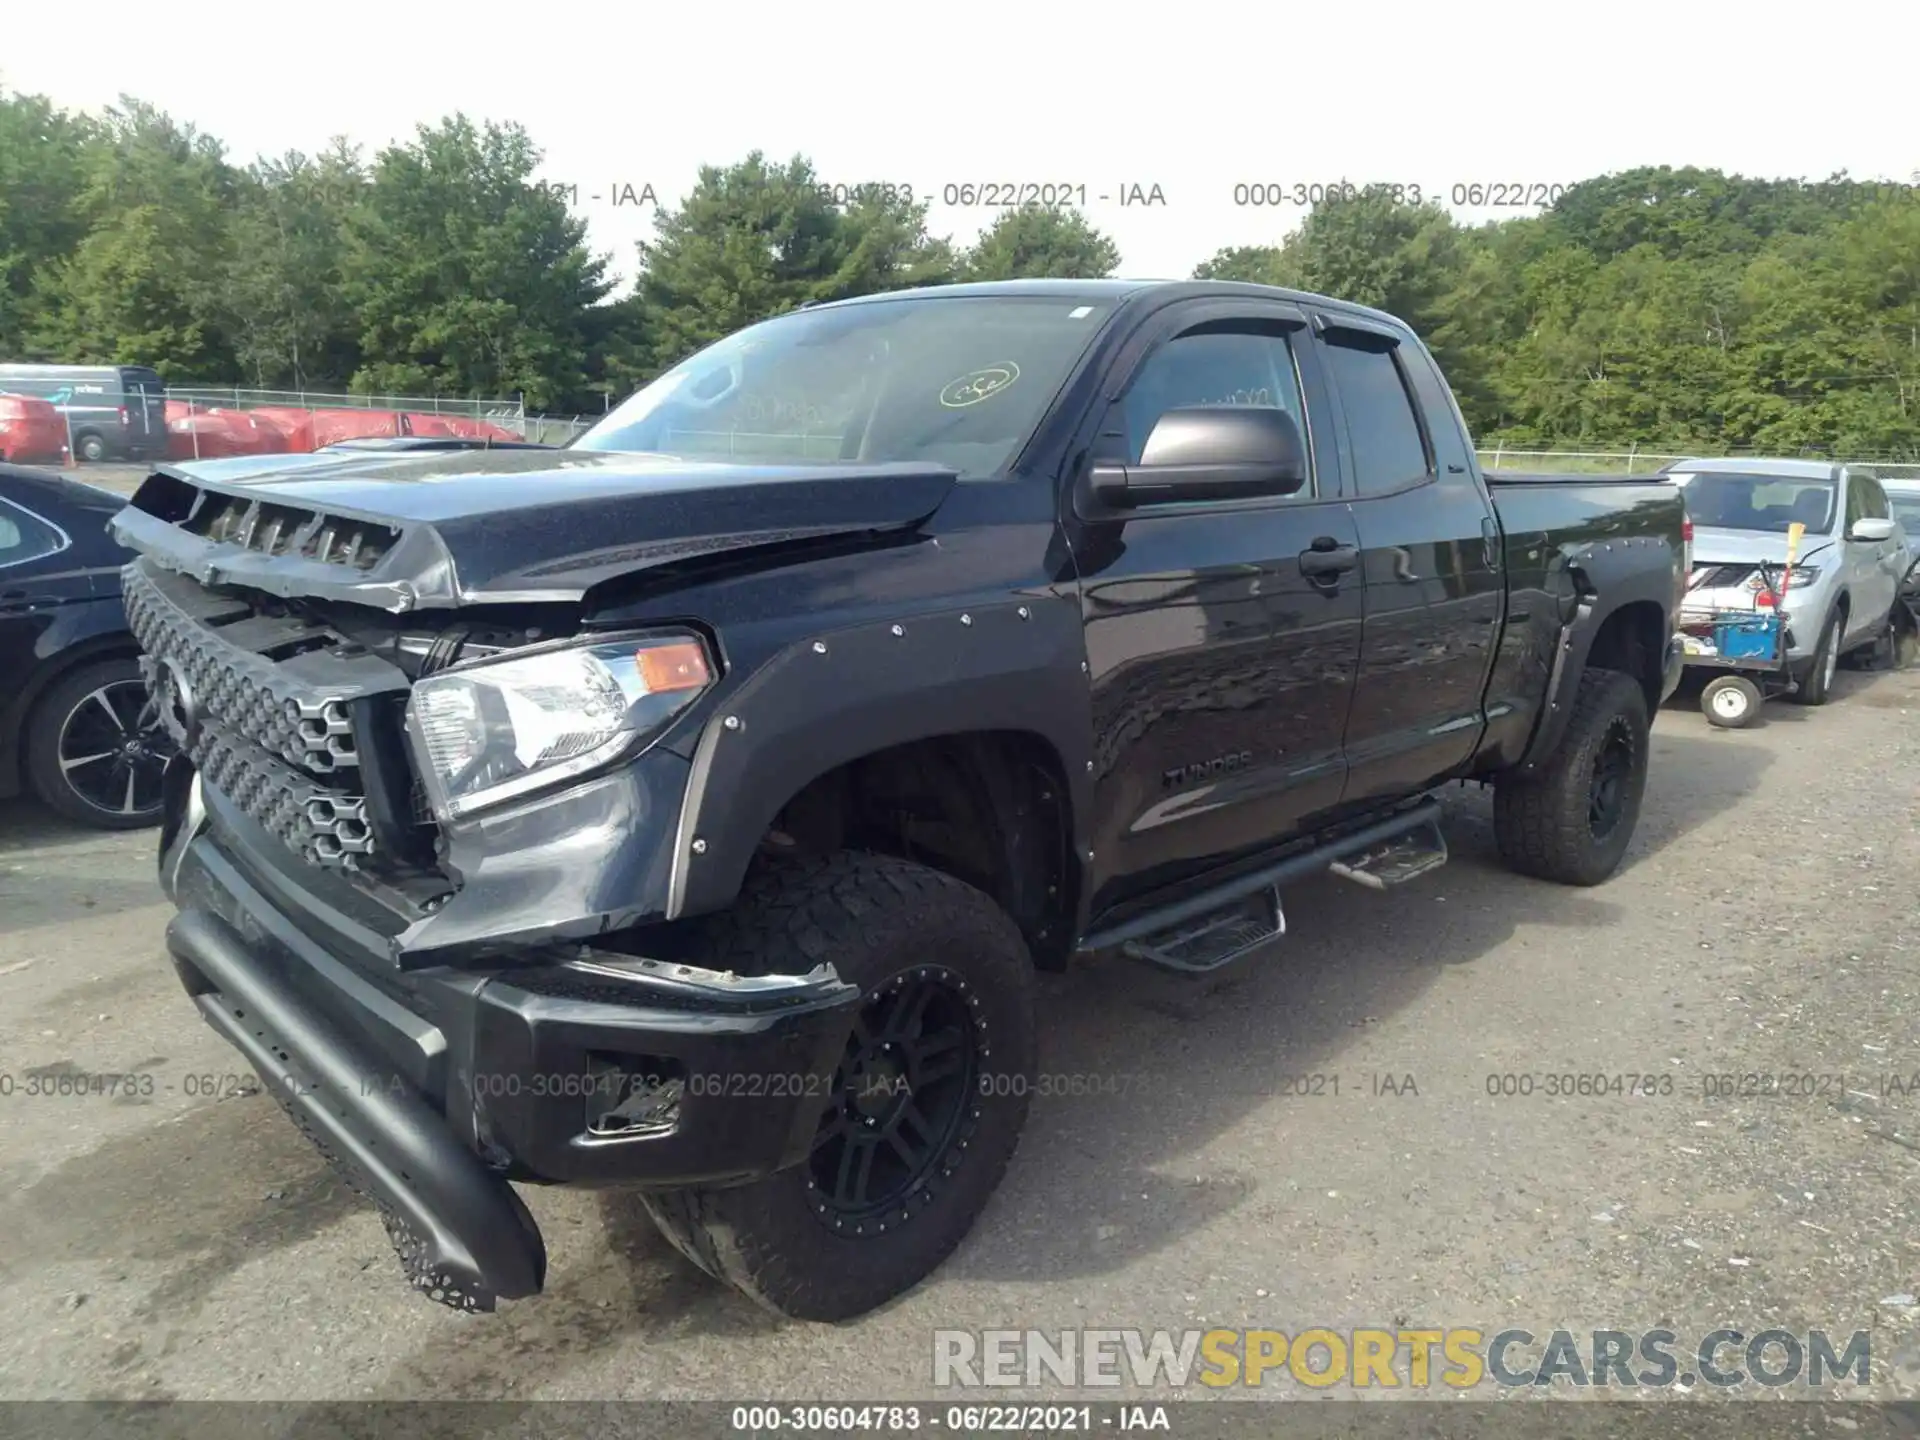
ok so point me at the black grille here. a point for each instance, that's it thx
(282, 752)
(274, 529)
(235, 689)
(325, 826)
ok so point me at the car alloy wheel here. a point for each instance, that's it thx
(112, 750)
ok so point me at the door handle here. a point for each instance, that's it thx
(1328, 558)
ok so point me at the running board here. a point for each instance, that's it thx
(1214, 940)
(1421, 849)
(1205, 931)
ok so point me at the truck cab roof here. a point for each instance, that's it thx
(1115, 291)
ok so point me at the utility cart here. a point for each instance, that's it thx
(1748, 648)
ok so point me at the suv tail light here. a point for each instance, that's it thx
(123, 415)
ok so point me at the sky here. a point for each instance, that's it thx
(1195, 113)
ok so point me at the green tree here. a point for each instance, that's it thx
(467, 277)
(287, 313)
(1036, 241)
(1374, 250)
(142, 287)
(1252, 264)
(42, 165)
(756, 239)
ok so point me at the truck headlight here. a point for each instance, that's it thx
(489, 732)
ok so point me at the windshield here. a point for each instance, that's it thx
(1906, 509)
(958, 382)
(1768, 503)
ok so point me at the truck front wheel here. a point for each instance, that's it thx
(927, 1105)
(1572, 820)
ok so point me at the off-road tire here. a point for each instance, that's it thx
(875, 919)
(1817, 687)
(1543, 822)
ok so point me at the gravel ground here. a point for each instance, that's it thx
(186, 1243)
(123, 478)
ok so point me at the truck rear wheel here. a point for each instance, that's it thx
(1571, 822)
(928, 1103)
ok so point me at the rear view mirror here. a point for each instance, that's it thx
(1871, 530)
(1209, 452)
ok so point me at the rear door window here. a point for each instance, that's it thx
(1874, 498)
(25, 536)
(1386, 444)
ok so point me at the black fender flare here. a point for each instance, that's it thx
(1606, 576)
(834, 697)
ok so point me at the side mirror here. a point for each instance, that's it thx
(1871, 530)
(1209, 452)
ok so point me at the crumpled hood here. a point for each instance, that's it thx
(484, 527)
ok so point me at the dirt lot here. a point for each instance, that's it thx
(187, 1243)
(123, 478)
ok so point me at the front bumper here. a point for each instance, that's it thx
(431, 1089)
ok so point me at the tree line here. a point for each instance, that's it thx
(1676, 309)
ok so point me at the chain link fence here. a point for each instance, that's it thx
(554, 429)
(507, 413)
(220, 422)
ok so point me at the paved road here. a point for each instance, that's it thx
(188, 1244)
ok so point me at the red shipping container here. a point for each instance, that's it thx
(32, 431)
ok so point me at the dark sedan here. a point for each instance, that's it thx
(75, 726)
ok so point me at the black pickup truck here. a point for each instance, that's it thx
(690, 807)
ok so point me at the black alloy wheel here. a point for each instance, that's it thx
(899, 1097)
(923, 1110)
(1613, 769)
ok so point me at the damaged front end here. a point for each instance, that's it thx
(422, 856)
